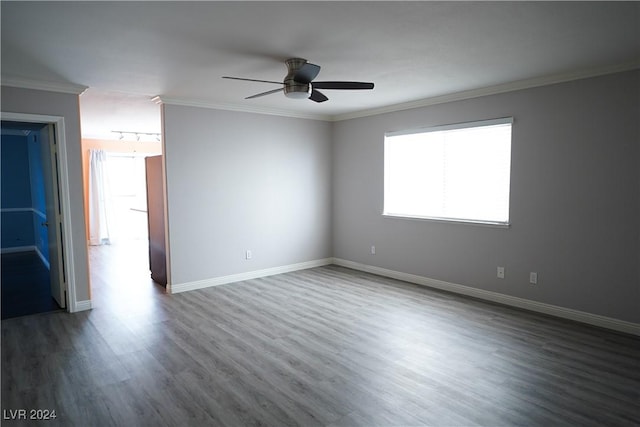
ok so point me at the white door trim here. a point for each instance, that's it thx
(65, 197)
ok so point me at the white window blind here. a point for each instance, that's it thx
(456, 172)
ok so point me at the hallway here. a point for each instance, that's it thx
(121, 283)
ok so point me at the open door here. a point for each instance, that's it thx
(49, 153)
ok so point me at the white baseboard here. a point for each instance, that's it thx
(43, 258)
(553, 310)
(81, 306)
(223, 280)
(17, 249)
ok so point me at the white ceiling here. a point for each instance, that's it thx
(129, 52)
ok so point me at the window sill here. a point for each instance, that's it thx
(449, 220)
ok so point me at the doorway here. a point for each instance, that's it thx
(33, 278)
(117, 225)
(125, 128)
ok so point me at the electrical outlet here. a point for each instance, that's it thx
(248, 255)
(500, 272)
(533, 278)
(373, 250)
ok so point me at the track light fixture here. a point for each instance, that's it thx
(137, 135)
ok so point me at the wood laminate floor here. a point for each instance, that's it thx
(322, 347)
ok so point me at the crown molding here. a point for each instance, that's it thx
(425, 102)
(493, 90)
(43, 85)
(458, 96)
(161, 99)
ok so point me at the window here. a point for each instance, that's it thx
(456, 172)
(128, 188)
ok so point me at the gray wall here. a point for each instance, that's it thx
(238, 181)
(575, 198)
(29, 101)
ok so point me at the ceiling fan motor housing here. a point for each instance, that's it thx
(292, 88)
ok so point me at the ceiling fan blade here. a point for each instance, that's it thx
(343, 85)
(306, 73)
(269, 92)
(318, 96)
(251, 80)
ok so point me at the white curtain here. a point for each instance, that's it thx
(100, 205)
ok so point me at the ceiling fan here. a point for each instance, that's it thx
(298, 83)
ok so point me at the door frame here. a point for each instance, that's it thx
(65, 196)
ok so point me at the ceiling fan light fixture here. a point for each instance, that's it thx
(297, 91)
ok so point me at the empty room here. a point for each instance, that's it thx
(345, 213)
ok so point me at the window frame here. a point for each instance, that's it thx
(438, 128)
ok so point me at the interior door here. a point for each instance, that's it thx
(48, 151)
